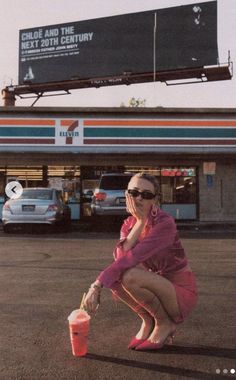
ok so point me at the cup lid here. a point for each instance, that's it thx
(78, 315)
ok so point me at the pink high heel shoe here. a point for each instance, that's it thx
(135, 342)
(149, 346)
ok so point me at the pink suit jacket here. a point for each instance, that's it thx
(159, 251)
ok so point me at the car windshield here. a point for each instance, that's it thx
(36, 194)
(117, 182)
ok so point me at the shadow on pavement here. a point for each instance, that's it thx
(183, 372)
(229, 353)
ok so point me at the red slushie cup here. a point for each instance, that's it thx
(79, 328)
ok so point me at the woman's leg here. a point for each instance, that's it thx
(147, 319)
(157, 295)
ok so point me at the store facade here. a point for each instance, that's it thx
(191, 151)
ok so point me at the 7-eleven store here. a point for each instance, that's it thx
(191, 151)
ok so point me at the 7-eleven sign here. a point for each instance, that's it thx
(68, 132)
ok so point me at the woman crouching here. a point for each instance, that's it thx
(150, 272)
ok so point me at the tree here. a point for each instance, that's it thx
(133, 102)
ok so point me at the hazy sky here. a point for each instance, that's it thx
(22, 14)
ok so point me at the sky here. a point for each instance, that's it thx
(23, 14)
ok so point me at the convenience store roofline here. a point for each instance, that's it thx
(115, 110)
(196, 143)
(119, 151)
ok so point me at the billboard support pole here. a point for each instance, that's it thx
(154, 46)
(8, 96)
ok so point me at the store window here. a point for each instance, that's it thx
(178, 185)
(28, 176)
(67, 179)
(179, 192)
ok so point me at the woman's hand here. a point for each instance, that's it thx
(92, 299)
(140, 214)
(135, 209)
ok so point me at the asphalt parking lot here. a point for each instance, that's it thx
(42, 279)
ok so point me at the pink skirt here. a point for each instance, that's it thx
(186, 292)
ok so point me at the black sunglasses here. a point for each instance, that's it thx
(144, 194)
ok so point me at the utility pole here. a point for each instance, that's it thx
(8, 96)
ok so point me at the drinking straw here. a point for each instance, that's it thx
(82, 301)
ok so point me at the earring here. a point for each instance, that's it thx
(154, 211)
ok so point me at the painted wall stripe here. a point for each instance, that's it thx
(157, 123)
(159, 132)
(27, 141)
(157, 142)
(24, 131)
(27, 122)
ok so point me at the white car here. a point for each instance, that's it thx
(36, 206)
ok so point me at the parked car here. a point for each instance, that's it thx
(109, 197)
(36, 206)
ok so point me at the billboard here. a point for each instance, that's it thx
(138, 43)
